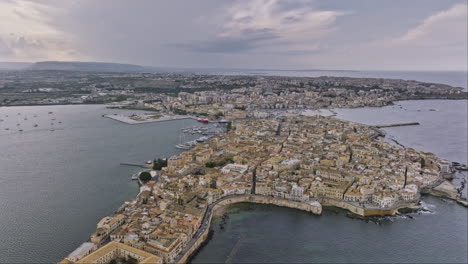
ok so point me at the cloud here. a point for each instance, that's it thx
(26, 32)
(440, 40)
(270, 26)
(295, 34)
(447, 26)
(437, 42)
(245, 43)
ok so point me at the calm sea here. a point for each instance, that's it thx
(57, 179)
(269, 234)
(454, 78)
(56, 185)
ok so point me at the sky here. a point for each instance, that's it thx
(254, 34)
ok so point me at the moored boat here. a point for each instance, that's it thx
(183, 146)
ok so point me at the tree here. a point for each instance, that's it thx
(423, 163)
(210, 164)
(159, 164)
(132, 260)
(145, 176)
(229, 126)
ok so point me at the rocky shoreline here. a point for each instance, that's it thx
(446, 190)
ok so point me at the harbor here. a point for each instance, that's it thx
(146, 118)
(207, 131)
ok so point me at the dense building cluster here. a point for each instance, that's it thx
(188, 92)
(306, 159)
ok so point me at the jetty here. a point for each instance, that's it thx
(133, 165)
(143, 119)
(398, 124)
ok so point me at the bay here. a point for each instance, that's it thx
(58, 179)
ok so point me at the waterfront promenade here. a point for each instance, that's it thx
(202, 233)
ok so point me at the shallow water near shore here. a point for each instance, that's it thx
(269, 234)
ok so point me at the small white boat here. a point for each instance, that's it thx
(135, 176)
(202, 139)
(183, 146)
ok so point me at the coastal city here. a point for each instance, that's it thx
(302, 162)
(164, 91)
(259, 144)
(236, 132)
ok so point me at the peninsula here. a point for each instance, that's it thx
(303, 162)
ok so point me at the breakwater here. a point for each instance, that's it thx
(131, 121)
(133, 165)
(398, 124)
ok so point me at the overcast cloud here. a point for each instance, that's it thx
(301, 34)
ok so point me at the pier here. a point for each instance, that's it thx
(133, 165)
(398, 124)
(131, 121)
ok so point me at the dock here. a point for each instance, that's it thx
(398, 124)
(133, 165)
(130, 121)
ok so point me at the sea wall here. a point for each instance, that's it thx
(315, 208)
(197, 244)
(360, 210)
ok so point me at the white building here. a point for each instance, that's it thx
(238, 168)
(82, 251)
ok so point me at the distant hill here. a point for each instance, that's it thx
(14, 65)
(86, 66)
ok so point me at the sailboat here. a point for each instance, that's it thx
(182, 144)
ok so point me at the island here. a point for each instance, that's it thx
(292, 160)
